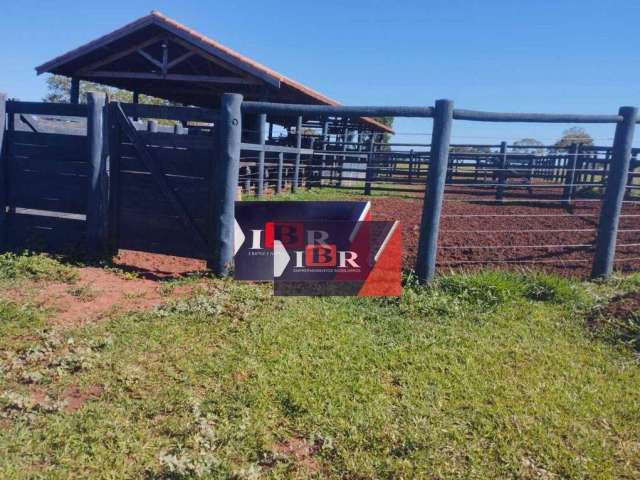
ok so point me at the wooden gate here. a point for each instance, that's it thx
(43, 178)
(160, 183)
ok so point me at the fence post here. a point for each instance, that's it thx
(262, 128)
(296, 168)
(368, 174)
(4, 163)
(614, 194)
(223, 183)
(434, 195)
(280, 168)
(114, 138)
(325, 140)
(570, 176)
(247, 179)
(502, 171)
(152, 126)
(98, 196)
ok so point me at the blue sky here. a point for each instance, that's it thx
(529, 55)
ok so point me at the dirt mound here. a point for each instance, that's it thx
(623, 307)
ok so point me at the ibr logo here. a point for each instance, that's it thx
(325, 255)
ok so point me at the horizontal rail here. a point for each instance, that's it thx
(478, 116)
(40, 108)
(425, 112)
(254, 147)
(170, 112)
(337, 110)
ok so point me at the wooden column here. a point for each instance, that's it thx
(262, 126)
(280, 169)
(570, 174)
(368, 174)
(136, 101)
(223, 184)
(296, 168)
(325, 139)
(434, 195)
(74, 92)
(502, 171)
(98, 197)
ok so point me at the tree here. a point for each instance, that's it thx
(470, 149)
(574, 135)
(533, 143)
(388, 121)
(58, 88)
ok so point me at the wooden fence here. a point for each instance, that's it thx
(99, 180)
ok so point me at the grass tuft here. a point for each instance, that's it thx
(35, 267)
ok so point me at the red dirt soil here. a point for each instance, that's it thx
(478, 232)
(624, 307)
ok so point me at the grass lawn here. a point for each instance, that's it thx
(490, 375)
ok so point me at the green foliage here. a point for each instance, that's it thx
(58, 91)
(35, 267)
(574, 135)
(478, 375)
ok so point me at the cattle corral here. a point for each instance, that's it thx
(92, 177)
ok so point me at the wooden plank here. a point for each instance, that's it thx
(190, 163)
(164, 139)
(252, 147)
(48, 166)
(158, 234)
(49, 139)
(139, 191)
(42, 108)
(51, 154)
(161, 180)
(43, 191)
(217, 79)
(170, 112)
(46, 233)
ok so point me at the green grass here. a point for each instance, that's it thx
(487, 375)
(31, 266)
(327, 193)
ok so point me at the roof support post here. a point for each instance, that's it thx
(74, 92)
(136, 101)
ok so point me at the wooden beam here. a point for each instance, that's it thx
(120, 54)
(150, 58)
(179, 60)
(173, 76)
(165, 57)
(221, 54)
(213, 59)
